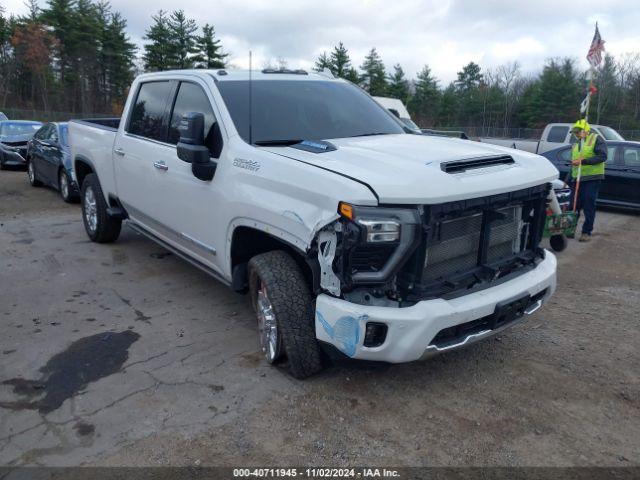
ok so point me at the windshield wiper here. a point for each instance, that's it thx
(264, 143)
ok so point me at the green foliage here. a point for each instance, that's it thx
(373, 77)
(425, 102)
(554, 97)
(209, 50)
(182, 40)
(398, 84)
(159, 52)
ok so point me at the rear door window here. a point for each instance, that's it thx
(149, 113)
(557, 134)
(192, 98)
(631, 157)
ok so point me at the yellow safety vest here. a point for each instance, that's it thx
(588, 151)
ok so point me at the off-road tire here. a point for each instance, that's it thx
(108, 228)
(33, 182)
(558, 242)
(294, 308)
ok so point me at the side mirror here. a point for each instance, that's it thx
(191, 147)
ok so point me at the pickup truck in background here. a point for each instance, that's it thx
(351, 236)
(553, 136)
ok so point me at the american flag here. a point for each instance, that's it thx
(595, 50)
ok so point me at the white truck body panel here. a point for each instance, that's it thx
(405, 169)
(292, 195)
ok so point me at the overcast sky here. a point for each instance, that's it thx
(445, 34)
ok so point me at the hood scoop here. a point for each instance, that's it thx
(315, 146)
(462, 166)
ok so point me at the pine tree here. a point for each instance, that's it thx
(373, 76)
(425, 102)
(183, 39)
(323, 61)
(158, 54)
(398, 84)
(340, 63)
(209, 50)
(469, 78)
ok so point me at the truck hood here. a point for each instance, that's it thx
(407, 168)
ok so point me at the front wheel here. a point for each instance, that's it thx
(100, 227)
(285, 311)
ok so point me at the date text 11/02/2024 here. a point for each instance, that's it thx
(315, 473)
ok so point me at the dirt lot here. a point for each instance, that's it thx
(125, 355)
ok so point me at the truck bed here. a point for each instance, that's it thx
(518, 144)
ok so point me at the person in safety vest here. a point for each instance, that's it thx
(588, 156)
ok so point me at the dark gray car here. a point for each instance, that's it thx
(49, 160)
(14, 136)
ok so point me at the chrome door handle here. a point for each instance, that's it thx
(119, 151)
(161, 166)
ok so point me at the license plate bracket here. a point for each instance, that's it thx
(509, 310)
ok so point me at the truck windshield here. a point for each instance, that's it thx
(610, 134)
(287, 111)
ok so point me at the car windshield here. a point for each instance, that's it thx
(11, 128)
(409, 123)
(288, 111)
(64, 135)
(610, 134)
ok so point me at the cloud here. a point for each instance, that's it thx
(445, 34)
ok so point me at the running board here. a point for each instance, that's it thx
(196, 263)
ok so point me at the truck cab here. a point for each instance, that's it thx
(351, 236)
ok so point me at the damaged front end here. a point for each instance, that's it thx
(398, 256)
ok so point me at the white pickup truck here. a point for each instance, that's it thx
(553, 136)
(351, 235)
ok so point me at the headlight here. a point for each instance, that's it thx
(379, 231)
(392, 233)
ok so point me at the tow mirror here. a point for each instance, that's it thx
(191, 147)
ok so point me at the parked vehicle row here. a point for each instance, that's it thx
(621, 184)
(553, 136)
(14, 137)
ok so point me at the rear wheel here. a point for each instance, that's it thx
(285, 311)
(64, 187)
(31, 173)
(100, 227)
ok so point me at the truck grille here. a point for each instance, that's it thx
(456, 249)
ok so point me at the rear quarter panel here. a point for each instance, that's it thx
(94, 144)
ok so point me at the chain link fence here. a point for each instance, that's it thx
(520, 133)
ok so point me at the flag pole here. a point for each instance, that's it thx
(590, 91)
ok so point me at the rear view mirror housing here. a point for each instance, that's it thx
(192, 149)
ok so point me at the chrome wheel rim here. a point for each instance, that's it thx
(64, 185)
(32, 174)
(267, 326)
(90, 210)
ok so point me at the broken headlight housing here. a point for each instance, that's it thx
(375, 242)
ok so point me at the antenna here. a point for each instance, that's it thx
(250, 101)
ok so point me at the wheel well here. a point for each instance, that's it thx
(82, 170)
(248, 242)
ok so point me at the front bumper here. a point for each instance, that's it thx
(411, 330)
(10, 157)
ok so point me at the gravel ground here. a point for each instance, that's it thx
(124, 355)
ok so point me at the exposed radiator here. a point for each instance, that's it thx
(457, 248)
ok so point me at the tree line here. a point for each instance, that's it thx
(76, 56)
(501, 97)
